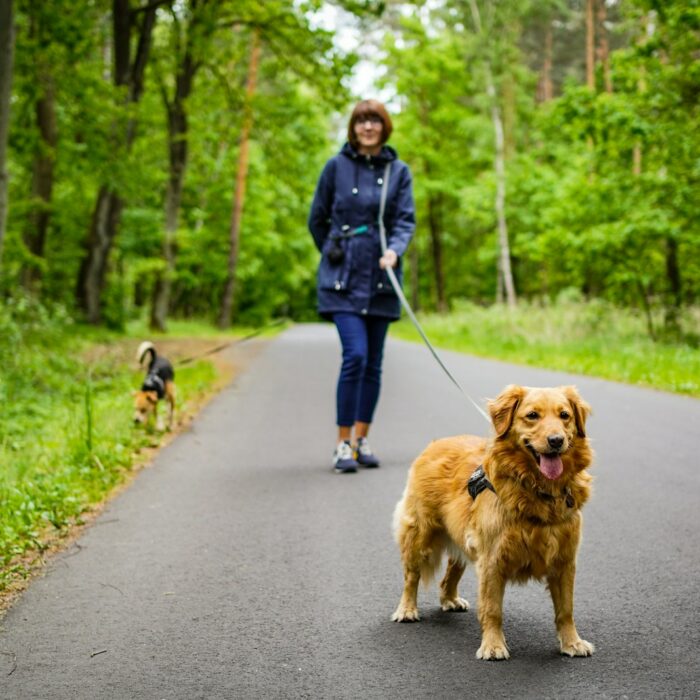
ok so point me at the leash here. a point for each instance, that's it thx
(236, 341)
(404, 302)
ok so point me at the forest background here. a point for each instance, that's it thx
(162, 154)
(158, 159)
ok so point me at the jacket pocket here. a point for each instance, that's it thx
(382, 283)
(331, 275)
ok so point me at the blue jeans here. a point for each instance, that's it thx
(362, 338)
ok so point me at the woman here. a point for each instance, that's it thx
(354, 290)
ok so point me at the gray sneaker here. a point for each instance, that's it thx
(364, 455)
(344, 461)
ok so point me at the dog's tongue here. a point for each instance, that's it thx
(551, 466)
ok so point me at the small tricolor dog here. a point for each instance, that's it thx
(158, 384)
(510, 505)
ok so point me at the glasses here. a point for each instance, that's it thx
(372, 120)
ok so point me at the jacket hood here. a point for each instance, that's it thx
(386, 155)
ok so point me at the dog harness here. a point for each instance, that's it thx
(478, 483)
(153, 382)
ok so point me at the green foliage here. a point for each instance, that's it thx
(444, 136)
(277, 260)
(300, 85)
(602, 189)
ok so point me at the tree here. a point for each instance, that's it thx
(128, 77)
(545, 91)
(37, 222)
(163, 163)
(308, 53)
(191, 34)
(7, 29)
(241, 177)
(504, 263)
(427, 70)
(590, 44)
(603, 49)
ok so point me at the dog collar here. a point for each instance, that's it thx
(478, 483)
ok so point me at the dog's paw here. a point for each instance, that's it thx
(578, 648)
(454, 604)
(495, 651)
(403, 614)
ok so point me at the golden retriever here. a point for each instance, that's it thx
(522, 519)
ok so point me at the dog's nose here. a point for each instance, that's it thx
(555, 441)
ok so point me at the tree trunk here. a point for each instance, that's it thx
(500, 295)
(178, 145)
(590, 44)
(7, 43)
(644, 296)
(500, 168)
(603, 50)
(93, 267)
(648, 32)
(42, 187)
(177, 138)
(436, 243)
(510, 114)
(673, 296)
(500, 204)
(545, 89)
(109, 205)
(637, 158)
(163, 286)
(239, 191)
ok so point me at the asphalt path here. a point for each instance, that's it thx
(240, 566)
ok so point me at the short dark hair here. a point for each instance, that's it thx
(365, 109)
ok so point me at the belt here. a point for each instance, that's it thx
(347, 231)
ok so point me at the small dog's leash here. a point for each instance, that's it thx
(235, 341)
(404, 302)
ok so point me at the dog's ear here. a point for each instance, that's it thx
(502, 408)
(581, 409)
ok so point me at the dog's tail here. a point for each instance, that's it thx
(417, 551)
(146, 348)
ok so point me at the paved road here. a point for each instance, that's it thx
(240, 566)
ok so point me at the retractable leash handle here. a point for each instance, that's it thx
(404, 302)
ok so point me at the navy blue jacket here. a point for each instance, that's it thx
(347, 198)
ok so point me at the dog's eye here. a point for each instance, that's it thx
(565, 415)
(533, 415)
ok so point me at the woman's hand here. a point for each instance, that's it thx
(389, 259)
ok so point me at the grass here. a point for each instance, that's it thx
(185, 328)
(591, 338)
(66, 433)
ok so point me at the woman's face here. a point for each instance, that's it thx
(368, 132)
